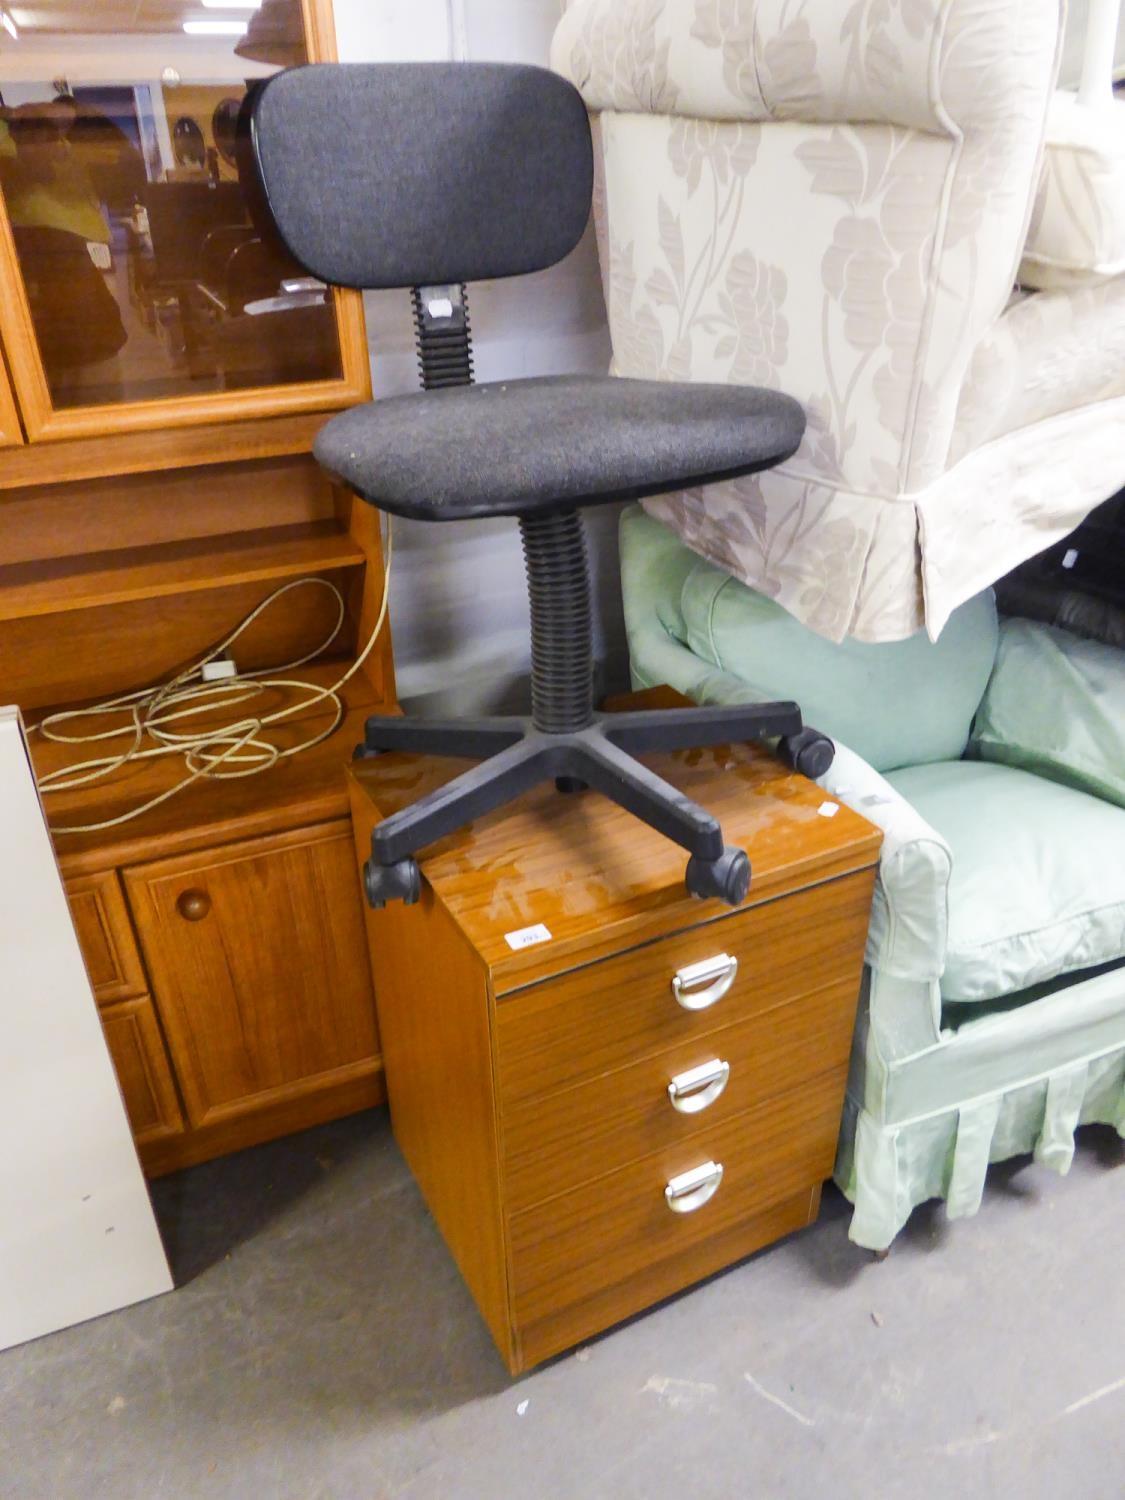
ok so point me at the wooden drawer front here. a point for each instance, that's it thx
(556, 1142)
(143, 1070)
(259, 965)
(608, 1232)
(608, 1014)
(572, 1323)
(105, 936)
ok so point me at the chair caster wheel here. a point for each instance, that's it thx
(397, 882)
(364, 752)
(569, 785)
(727, 877)
(809, 752)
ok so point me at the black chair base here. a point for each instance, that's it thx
(516, 756)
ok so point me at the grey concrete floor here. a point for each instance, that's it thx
(321, 1347)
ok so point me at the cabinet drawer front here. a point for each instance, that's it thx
(105, 935)
(578, 1245)
(143, 1071)
(259, 966)
(573, 1323)
(608, 1014)
(558, 1141)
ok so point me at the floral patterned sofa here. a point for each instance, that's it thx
(836, 200)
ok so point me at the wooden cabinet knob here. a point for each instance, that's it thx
(193, 906)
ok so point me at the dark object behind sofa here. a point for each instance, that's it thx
(1079, 584)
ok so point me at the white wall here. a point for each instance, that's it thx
(393, 30)
(458, 608)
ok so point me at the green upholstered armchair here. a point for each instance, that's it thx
(992, 1021)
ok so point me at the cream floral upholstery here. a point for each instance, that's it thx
(1049, 354)
(833, 199)
(1078, 226)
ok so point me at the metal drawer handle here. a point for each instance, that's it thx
(691, 1190)
(702, 984)
(698, 1088)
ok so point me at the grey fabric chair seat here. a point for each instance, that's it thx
(528, 446)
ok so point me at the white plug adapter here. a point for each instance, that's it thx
(216, 671)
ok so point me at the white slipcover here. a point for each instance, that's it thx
(833, 200)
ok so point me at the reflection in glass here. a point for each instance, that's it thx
(150, 262)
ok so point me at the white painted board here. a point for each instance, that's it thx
(77, 1233)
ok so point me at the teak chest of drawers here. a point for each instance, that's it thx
(651, 1088)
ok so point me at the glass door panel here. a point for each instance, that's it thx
(151, 286)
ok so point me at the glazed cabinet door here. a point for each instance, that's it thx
(259, 966)
(142, 283)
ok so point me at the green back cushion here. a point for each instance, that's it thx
(898, 704)
(1056, 706)
(1038, 882)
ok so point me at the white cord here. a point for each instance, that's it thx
(207, 752)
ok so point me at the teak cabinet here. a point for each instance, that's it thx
(164, 368)
(239, 963)
(259, 919)
(605, 1089)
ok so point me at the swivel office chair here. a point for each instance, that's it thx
(428, 176)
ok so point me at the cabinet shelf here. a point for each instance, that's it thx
(304, 789)
(58, 586)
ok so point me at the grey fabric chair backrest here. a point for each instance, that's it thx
(414, 174)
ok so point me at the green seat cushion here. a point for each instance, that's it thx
(1056, 705)
(1038, 882)
(902, 703)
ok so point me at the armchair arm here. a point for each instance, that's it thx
(908, 932)
(909, 927)
(941, 66)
